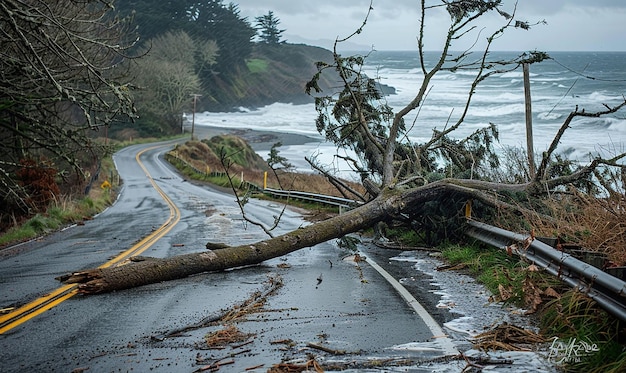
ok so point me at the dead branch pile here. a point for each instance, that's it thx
(507, 337)
(221, 338)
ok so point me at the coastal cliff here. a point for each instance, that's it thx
(273, 73)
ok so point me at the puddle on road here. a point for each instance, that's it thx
(473, 313)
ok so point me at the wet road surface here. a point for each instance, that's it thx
(327, 300)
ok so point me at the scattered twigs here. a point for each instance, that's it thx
(215, 366)
(255, 367)
(296, 368)
(326, 349)
(255, 301)
(470, 365)
(207, 321)
(220, 338)
(480, 363)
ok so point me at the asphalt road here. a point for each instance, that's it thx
(327, 300)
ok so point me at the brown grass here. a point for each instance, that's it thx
(507, 337)
(595, 224)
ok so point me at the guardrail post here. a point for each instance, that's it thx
(468, 209)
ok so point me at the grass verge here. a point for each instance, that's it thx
(573, 320)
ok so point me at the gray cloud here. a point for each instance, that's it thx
(571, 24)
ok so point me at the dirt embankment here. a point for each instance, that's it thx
(243, 160)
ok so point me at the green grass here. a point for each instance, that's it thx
(496, 270)
(575, 315)
(479, 260)
(256, 65)
(407, 237)
(36, 226)
(56, 217)
(222, 181)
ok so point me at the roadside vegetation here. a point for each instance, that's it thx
(221, 158)
(67, 210)
(566, 318)
(74, 208)
(140, 73)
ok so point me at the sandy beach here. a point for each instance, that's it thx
(258, 140)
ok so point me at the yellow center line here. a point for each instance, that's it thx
(46, 302)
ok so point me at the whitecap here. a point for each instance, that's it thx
(549, 116)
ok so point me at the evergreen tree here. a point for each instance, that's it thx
(211, 19)
(155, 18)
(267, 25)
(201, 20)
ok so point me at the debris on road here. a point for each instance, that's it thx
(507, 337)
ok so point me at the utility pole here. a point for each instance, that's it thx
(193, 115)
(529, 122)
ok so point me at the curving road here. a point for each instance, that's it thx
(325, 300)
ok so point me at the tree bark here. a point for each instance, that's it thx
(155, 270)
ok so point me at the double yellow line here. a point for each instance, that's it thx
(44, 303)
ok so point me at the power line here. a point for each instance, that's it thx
(581, 74)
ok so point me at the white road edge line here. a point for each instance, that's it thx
(439, 336)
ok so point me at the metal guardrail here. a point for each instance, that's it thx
(279, 193)
(312, 197)
(608, 291)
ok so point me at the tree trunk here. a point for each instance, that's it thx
(154, 270)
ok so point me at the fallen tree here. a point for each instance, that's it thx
(391, 202)
(403, 180)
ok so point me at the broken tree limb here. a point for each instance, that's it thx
(326, 349)
(134, 274)
(338, 183)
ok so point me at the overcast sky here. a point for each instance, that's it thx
(572, 25)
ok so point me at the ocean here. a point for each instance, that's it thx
(587, 80)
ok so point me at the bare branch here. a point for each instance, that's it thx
(547, 155)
